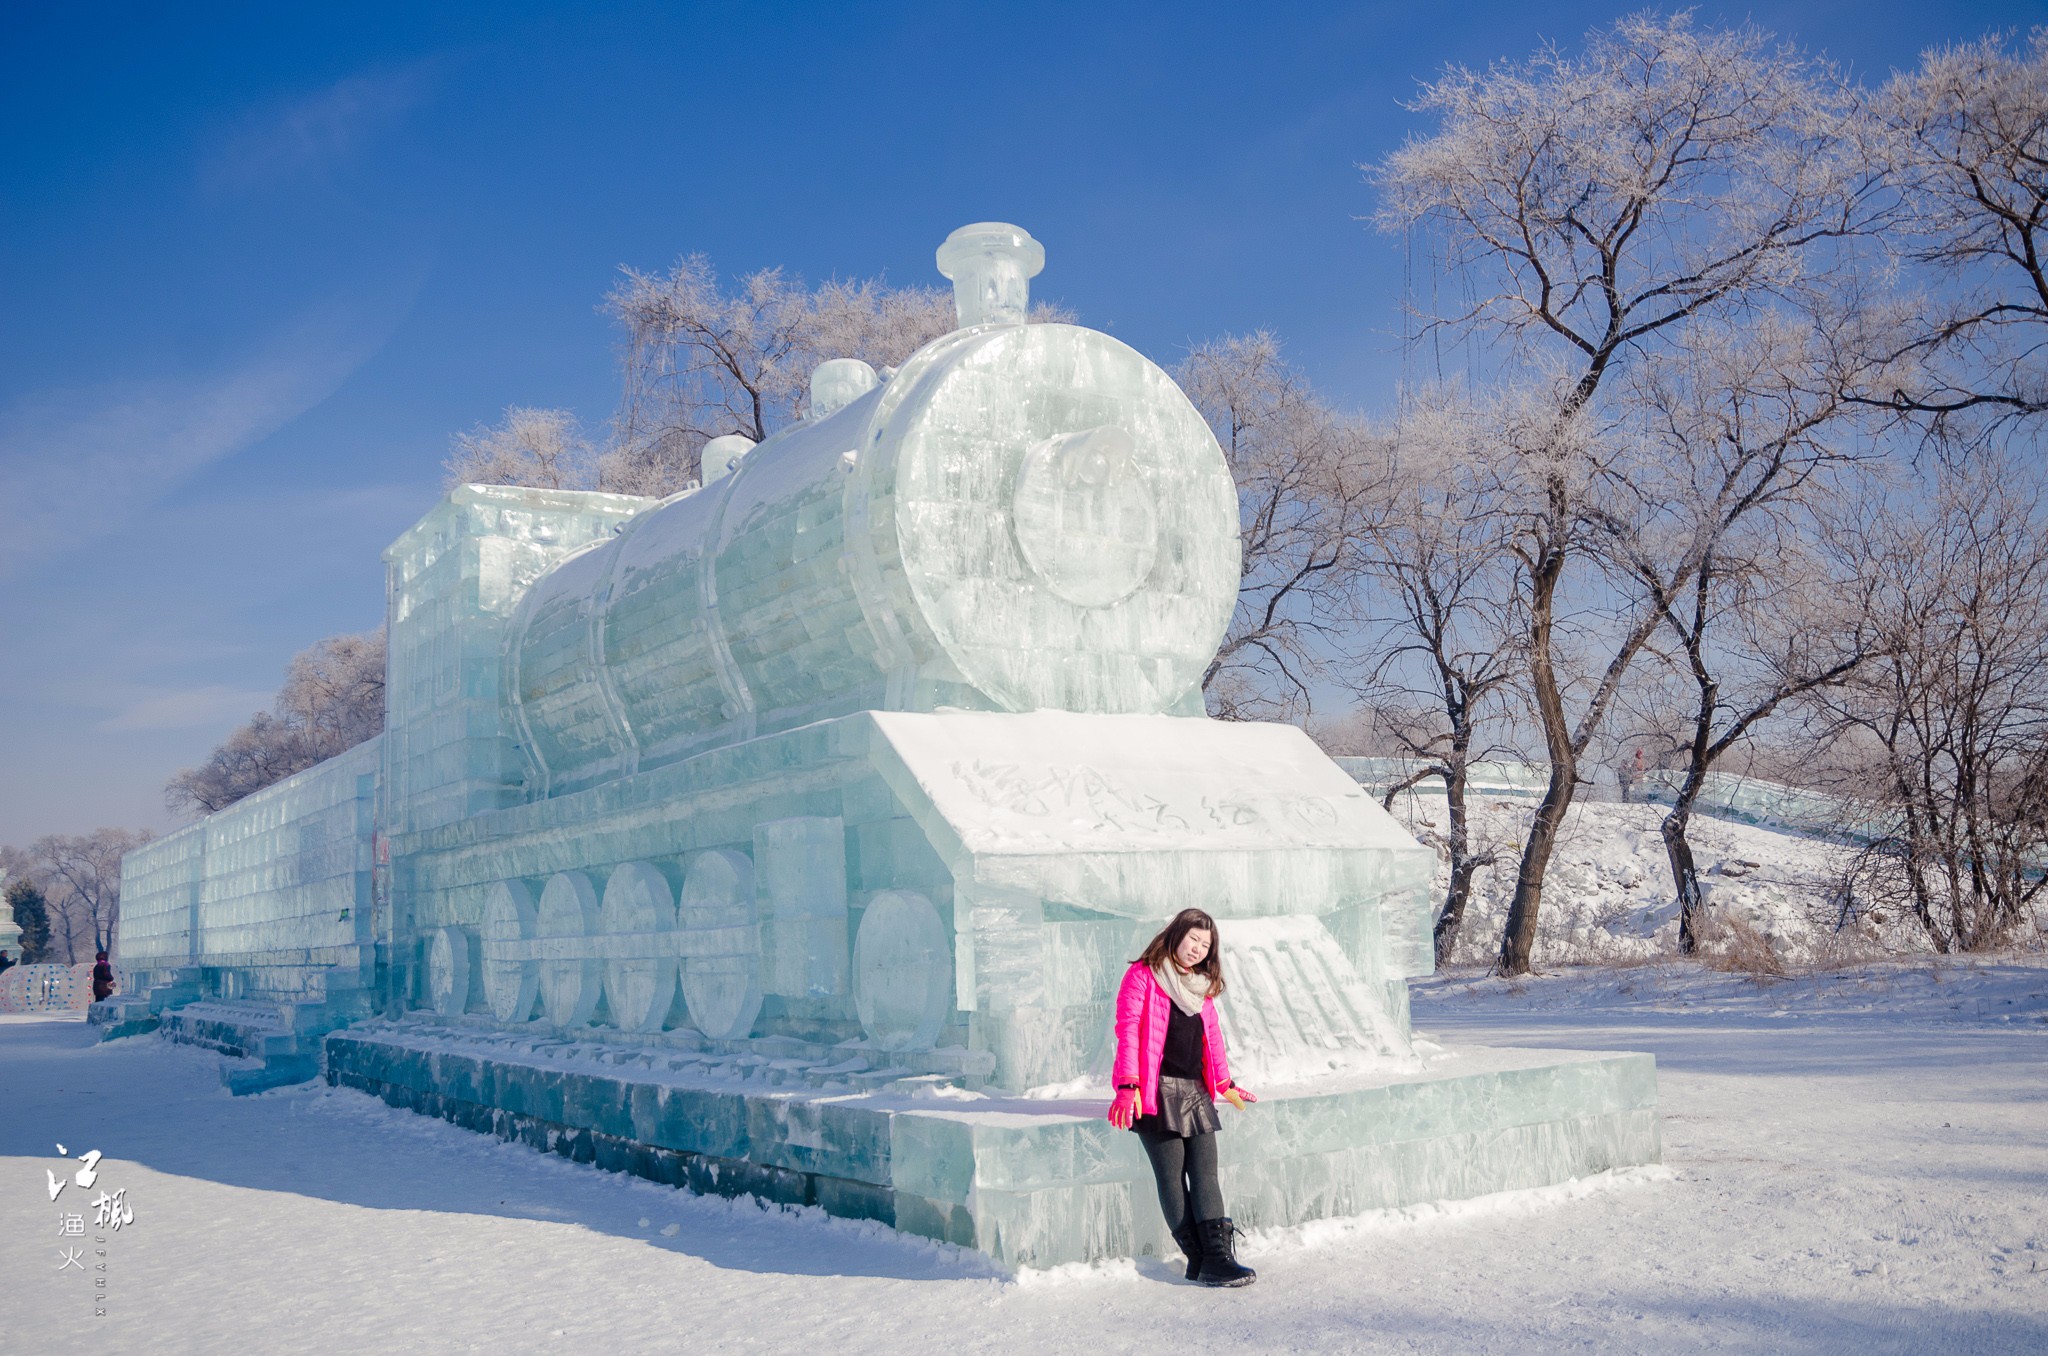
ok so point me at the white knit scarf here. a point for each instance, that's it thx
(1187, 989)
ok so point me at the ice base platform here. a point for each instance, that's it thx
(1030, 1183)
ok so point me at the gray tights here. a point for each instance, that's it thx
(1186, 1171)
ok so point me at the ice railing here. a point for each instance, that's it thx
(1773, 804)
(1723, 795)
(1485, 778)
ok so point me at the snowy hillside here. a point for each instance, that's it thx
(1609, 897)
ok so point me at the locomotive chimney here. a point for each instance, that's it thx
(991, 264)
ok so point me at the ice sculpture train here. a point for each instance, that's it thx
(789, 835)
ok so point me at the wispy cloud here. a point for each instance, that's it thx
(211, 705)
(75, 464)
(312, 134)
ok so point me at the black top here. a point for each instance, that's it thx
(1185, 1045)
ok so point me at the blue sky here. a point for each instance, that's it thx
(258, 262)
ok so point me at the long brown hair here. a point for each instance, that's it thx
(1161, 948)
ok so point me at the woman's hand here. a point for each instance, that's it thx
(1124, 1109)
(1238, 1096)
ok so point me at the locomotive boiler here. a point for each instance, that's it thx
(1024, 517)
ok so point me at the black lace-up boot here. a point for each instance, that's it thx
(1189, 1236)
(1219, 1261)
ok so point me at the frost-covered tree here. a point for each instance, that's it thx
(1436, 602)
(1964, 137)
(334, 690)
(1306, 485)
(331, 701)
(1946, 732)
(1596, 206)
(1750, 436)
(30, 909)
(79, 878)
(543, 449)
(702, 358)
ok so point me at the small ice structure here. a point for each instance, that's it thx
(784, 835)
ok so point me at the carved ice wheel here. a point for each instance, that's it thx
(902, 971)
(637, 920)
(721, 945)
(571, 978)
(448, 970)
(511, 975)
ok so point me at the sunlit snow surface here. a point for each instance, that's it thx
(1857, 1175)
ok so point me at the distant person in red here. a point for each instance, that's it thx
(102, 977)
(6, 962)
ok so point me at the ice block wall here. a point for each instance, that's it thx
(267, 892)
(160, 892)
(1755, 801)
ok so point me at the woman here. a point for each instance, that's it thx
(1169, 1069)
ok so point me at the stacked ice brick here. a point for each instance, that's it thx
(453, 580)
(160, 890)
(268, 892)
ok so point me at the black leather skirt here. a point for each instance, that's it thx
(1185, 1109)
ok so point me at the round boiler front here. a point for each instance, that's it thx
(1063, 520)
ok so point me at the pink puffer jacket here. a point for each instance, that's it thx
(1141, 1016)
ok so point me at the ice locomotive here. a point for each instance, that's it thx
(790, 835)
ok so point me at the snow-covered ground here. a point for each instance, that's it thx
(1855, 1163)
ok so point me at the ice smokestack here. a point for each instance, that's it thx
(991, 264)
